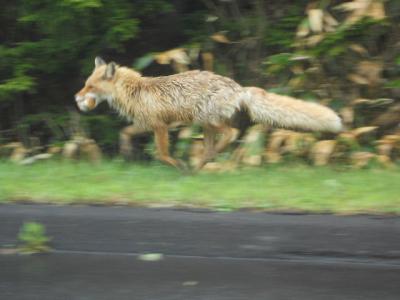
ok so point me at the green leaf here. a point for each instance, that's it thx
(279, 62)
(335, 51)
(393, 84)
(22, 83)
(280, 59)
(84, 3)
(122, 31)
(33, 238)
(143, 62)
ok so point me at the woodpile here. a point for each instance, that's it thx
(82, 148)
(76, 148)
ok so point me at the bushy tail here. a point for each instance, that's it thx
(288, 112)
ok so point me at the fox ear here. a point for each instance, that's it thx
(110, 70)
(98, 61)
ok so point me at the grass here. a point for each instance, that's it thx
(282, 188)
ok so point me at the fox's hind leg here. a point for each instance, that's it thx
(228, 135)
(162, 144)
(209, 145)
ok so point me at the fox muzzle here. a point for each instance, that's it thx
(86, 102)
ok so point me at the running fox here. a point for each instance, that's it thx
(153, 103)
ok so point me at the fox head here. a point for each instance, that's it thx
(98, 87)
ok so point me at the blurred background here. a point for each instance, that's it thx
(344, 54)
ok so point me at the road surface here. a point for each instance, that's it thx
(202, 255)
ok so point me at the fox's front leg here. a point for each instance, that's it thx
(162, 144)
(125, 139)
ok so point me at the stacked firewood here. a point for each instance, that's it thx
(260, 145)
(77, 148)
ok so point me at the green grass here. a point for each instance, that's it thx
(290, 187)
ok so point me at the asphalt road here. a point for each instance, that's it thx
(205, 255)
